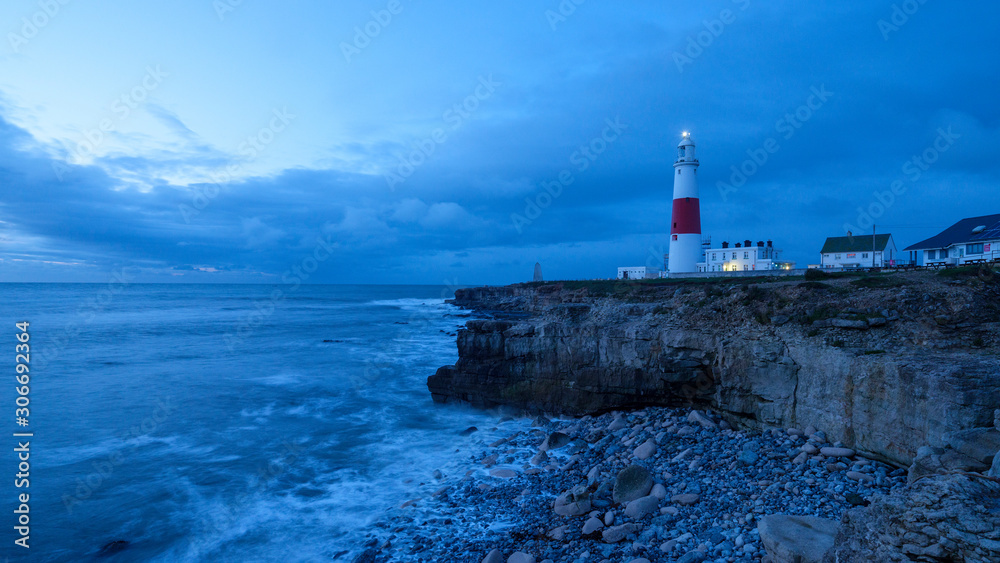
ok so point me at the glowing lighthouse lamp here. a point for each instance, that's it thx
(685, 221)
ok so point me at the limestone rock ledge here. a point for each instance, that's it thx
(939, 518)
(916, 363)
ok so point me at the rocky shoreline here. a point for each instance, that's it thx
(686, 419)
(659, 484)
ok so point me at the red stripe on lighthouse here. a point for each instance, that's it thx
(686, 218)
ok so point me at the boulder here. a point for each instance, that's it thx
(705, 422)
(572, 503)
(493, 557)
(642, 507)
(995, 469)
(616, 534)
(981, 444)
(521, 557)
(632, 483)
(503, 473)
(554, 441)
(592, 525)
(686, 499)
(938, 518)
(113, 547)
(658, 491)
(797, 539)
(646, 450)
(831, 451)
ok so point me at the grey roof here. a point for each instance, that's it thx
(859, 243)
(961, 233)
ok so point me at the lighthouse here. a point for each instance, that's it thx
(685, 221)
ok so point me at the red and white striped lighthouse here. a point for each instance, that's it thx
(685, 229)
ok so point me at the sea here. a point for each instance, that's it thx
(220, 422)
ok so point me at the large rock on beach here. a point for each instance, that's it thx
(797, 539)
(521, 557)
(633, 482)
(642, 507)
(572, 503)
(554, 441)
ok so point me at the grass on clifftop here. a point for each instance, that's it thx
(983, 271)
(606, 288)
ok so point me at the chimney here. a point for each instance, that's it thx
(760, 244)
(770, 244)
(748, 243)
(725, 245)
(738, 245)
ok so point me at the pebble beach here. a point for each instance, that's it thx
(657, 485)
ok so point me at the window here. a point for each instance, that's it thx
(713, 256)
(746, 255)
(745, 267)
(836, 257)
(734, 256)
(932, 254)
(974, 248)
(678, 171)
(864, 255)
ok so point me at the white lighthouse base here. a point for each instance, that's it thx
(685, 253)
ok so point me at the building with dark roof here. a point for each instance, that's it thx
(972, 240)
(859, 251)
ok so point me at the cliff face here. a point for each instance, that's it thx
(885, 365)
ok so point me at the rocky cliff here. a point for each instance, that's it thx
(885, 364)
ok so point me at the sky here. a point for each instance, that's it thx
(408, 141)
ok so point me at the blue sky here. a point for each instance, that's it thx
(224, 141)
